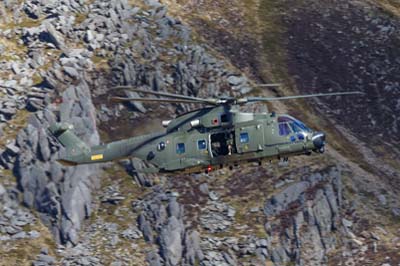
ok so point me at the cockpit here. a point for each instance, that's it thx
(298, 131)
(288, 125)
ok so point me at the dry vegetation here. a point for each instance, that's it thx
(23, 252)
(12, 128)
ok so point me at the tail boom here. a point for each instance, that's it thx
(77, 152)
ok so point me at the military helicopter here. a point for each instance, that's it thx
(215, 136)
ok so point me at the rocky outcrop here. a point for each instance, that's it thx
(14, 218)
(305, 218)
(161, 221)
(62, 195)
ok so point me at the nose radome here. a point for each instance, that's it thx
(318, 139)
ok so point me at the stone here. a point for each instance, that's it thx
(131, 233)
(111, 227)
(280, 202)
(213, 196)
(174, 208)
(33, 234)
(8, 212)
(396, 211)
(347, 223)
(254, 209)
(99, 37)
(8, 112)
(46, 258)
(134, 167)
(204, 188)
(135, 104)
(145, 227)
(114, 240)
(5, 238)
(262, 243)
(3, 191)
(171, 242)
(154, 259)
(245, 89)
(236, 81)
(229, 259)
(382, 199)
(72, 72)
(44, 147)
(44, 251)
(89, 36)
(153, 3)
(52, 36)
(19, 235)
(15, 68)
(375, 236)
(231, 212)
(193, 249)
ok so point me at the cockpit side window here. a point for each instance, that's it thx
(284, 129)
(302, 126)
(288, 124)
(283, 119)
(295, 127)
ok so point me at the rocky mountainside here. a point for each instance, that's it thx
(58, 61)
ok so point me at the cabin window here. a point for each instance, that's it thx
(284, 129)
(180, 148)
(244, 137)
(202, 144)
(161, 146)
(224, 118)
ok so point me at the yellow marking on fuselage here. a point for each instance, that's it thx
(96, 157)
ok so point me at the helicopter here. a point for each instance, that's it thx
(215, 136)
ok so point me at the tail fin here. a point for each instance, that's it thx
(74, 146)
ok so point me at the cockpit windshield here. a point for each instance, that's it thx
(289, 124)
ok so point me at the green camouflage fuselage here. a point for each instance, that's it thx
(197, 140)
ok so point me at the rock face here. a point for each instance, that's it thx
(308, 216)
(161, 221)
(62, 195)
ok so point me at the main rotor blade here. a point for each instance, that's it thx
(122, 99)
(268, 99)
(166, 94)
(269, 85)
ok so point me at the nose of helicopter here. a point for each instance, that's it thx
(318, 140)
